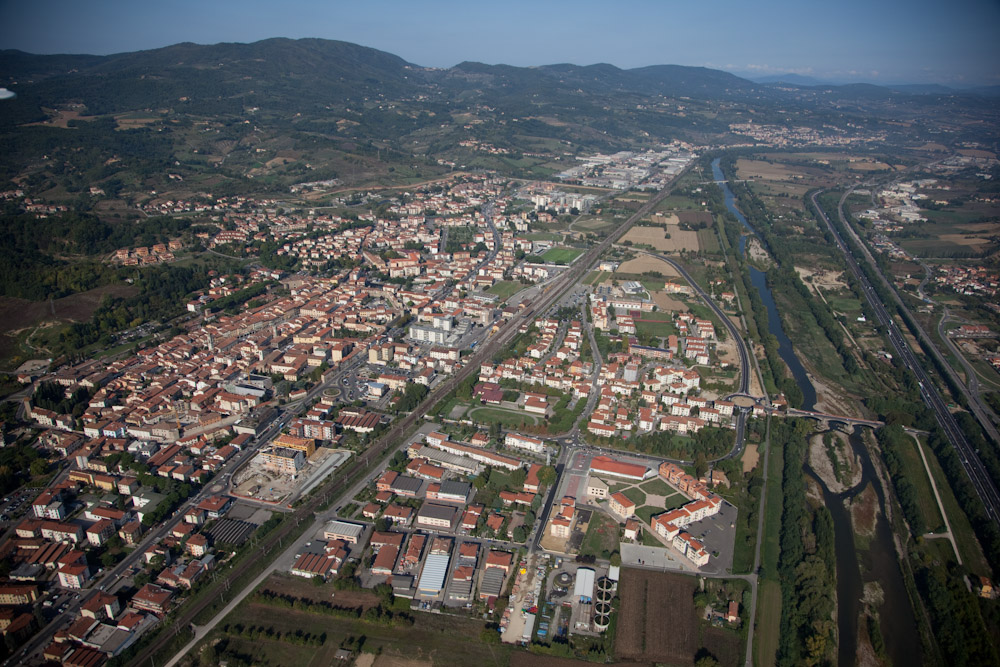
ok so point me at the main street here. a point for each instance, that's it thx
(332, 491)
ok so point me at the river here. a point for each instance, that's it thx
(898, 624)
(759, 280)
(899, 628)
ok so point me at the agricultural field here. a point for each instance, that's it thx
(655, 237)
(19, 315)
(647, 600)
(767, 171)
(644, 263)
(562, 255)
(668, 303)
(658, 622)
(435, 640)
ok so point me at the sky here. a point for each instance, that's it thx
(878, 41)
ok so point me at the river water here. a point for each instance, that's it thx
(759, 280)
(899, 628)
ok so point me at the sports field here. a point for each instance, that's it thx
(561, 255)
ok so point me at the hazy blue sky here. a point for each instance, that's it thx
(873, 40)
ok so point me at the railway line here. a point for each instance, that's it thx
(271, 545)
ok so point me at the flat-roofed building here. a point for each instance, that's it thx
(524, 442)
(436, 516)
(306, 445)
(433, 575)
(282, 460)
(596, 488)
(343, 530)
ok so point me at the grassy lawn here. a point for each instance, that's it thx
(768, 619)
(770, 545)
(968, 545)
(506, 288)
(650, 540)
(659, 329)
(503, 417)
(917, 475)
(675, 500)
(614, 487)
(647, 512)
(602, 536)
(636, 496)
(656, 487)
(543, 236)
(561, 255)
(595, 277)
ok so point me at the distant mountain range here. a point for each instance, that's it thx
(909, 88)
(321, 72)
(329, 99)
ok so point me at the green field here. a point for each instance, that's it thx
(591, 224)
(770, 544)
(965, 537)
(440, 639)
(678, 203)
(499, 416)
(657, 487)
(596, 277)
(675, 500)
(658, 329)
(543, 236)
(562, 255)
(917, 474)
(602, 536)
(636, 496)
(708, 241)
(506, 288)
(768, 622)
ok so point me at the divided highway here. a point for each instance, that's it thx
(980, 477)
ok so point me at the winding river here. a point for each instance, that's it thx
(759, 280)
(899, 629)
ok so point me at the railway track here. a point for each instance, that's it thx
(271, 545)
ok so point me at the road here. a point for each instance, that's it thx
(734, 333)
(333, 489)
(741, 345)
(972, 379)
(43, 638)
(977, 472)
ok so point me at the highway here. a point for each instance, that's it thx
(980, 477)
